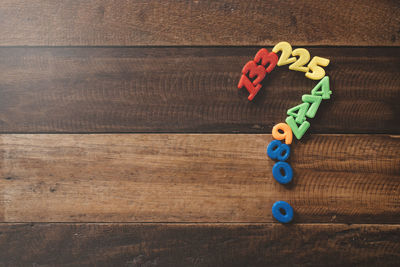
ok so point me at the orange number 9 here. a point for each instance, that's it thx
(287, 134)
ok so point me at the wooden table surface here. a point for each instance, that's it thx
(125, 142)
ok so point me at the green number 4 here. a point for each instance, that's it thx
(300, 115)
(322, 89)
(297, 131)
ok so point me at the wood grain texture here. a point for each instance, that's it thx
(199, 245)
(92, 90)
(173, 22)
(132, 66)
(195, 178)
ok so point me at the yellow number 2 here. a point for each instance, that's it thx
(286, 49)
(304, 57)
(315, 71)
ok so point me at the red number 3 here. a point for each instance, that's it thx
(265, 58)
(254, 70)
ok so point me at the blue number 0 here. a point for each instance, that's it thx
(285, 217)
(282, 172)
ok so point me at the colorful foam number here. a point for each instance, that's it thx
(297, 131)
(282, 172)
(282, 211)
(265, 57)
(277, 150)
(253, 69)
(296, 123)
(314, 68)
(253, 90)
(304, 57)
(315, 101)
(299, 112)
(315, 72)
(282, 131)
(322, 89)
(286, 49)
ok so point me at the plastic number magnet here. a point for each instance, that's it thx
(297, 131)
(315, 101)
(282, 211)
(286, 134)
(265, 58)
(304, 57)
(277, 150)
(316, 71)
(282, 172)
(286, 49)
(253, 69)
(325, 91)
(253, 90)
(301, 109)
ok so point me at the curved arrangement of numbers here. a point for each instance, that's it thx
(253, 73)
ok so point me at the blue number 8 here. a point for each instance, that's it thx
(277, 150)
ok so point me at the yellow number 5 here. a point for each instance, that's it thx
(315, 71)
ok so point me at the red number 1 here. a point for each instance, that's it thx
(253, 90)
(253, 69)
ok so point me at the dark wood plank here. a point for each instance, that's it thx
(195, 178)
(188, 90)
(172, 22)
(199, 245)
